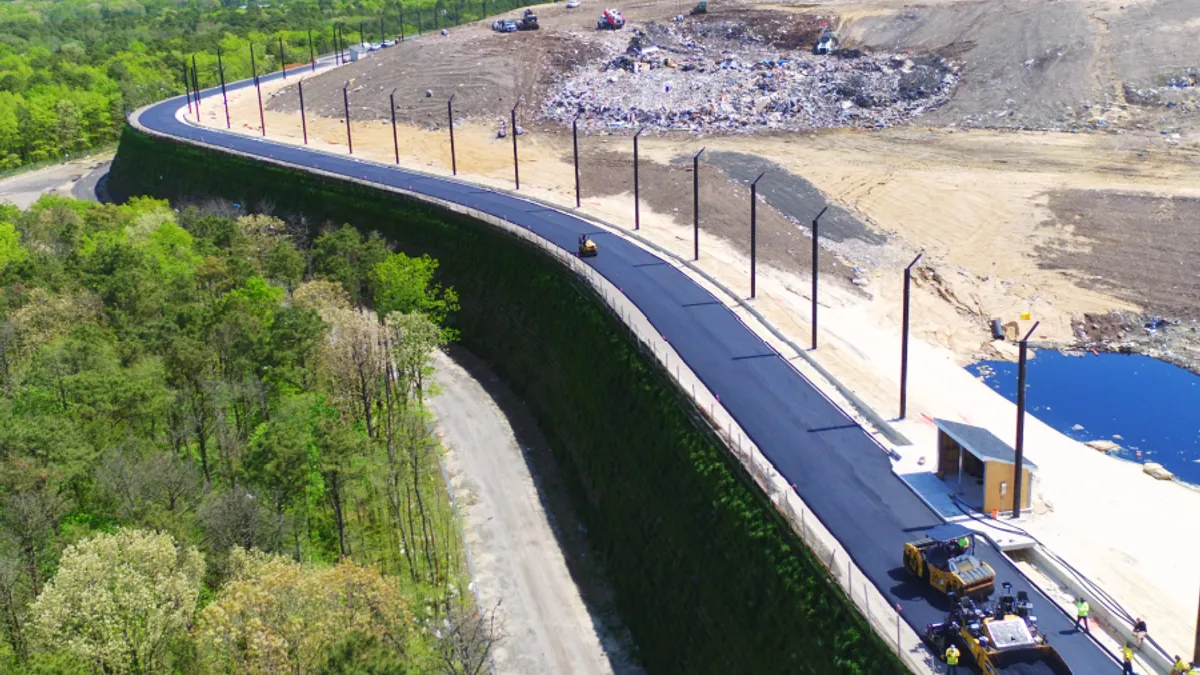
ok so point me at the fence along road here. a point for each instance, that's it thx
(838, 469)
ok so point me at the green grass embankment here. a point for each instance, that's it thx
(708, 577)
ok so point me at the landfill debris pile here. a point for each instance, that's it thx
(1179, 90)
(726, 79)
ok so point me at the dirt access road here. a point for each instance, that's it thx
(530, 558)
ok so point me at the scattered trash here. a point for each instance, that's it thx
(723, 78)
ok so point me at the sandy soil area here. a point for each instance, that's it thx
(530, 559)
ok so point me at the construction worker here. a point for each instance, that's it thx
(1139, 631)
(1081, 615)
(963, 544)
(1180, 667)
(1193, 670)
(1127, 660)
(952, 660)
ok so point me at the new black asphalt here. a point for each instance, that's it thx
(839, 470)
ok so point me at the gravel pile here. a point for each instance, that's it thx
(671, 80)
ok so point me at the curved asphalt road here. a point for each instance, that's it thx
(839, 470)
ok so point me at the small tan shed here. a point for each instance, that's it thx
(973, 454)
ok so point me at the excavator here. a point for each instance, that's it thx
(1000, 639)
(587, 247)
(945, 559)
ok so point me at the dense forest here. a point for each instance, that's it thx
(214, 454)
(70, 70)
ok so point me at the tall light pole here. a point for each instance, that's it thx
(450, 120)
(395, 138)
(1020, 449)
(904, 338)
(346, 103)
(637, 197)
(696, 205)
(312, 56)
(815, 268)
(224, 97)
(262, 120)
(754, 234)
(196, 86)
(516, 163)
(303, 122)
(282, 59)
(575, 147)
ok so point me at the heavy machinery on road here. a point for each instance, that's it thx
(999, 639)
(529, 21)
(945, 559)
(611, 19)
(587, 247)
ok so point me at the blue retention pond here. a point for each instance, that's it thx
(1142, 404)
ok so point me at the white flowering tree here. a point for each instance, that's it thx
(118, 599)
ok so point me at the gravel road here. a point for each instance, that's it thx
(529, 555)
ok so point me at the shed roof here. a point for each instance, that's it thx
(982, 443)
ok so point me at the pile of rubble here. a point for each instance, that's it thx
(1179, 90)
(670, 80)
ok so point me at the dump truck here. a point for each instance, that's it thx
(945, 559)
(529, 21)
(998, 639)
(611, 19)
(587, 247)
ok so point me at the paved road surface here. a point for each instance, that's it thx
(838, 468)
(528, 553)
(76, 179)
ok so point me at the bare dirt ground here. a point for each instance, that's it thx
(529, 554)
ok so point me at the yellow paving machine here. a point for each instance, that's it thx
(1000, 638)
(945, 558)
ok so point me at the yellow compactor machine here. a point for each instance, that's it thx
(945, 559)
(587, 247)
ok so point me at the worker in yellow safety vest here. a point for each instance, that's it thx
(951, 660)
(1180, 667)
(1081, 614)
(963, 544)
(1127, 660)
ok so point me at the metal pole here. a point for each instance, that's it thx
(402, 22)
(187, 87)
(196, 86)
(637, 198)
(362, 36)
(346, 102)
(904, 339)
(382, 35)
(1196, 649)
(312, 56)
(815, 260)
(303, 122)
(450, 118)
(754, 234)
(224, 97)
(395, 138)
(282, 60)
(262, 120)
(696, 205)
(418, 19)
(516, 164)
(337, 45)
(575, 146)
(1020, 450)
